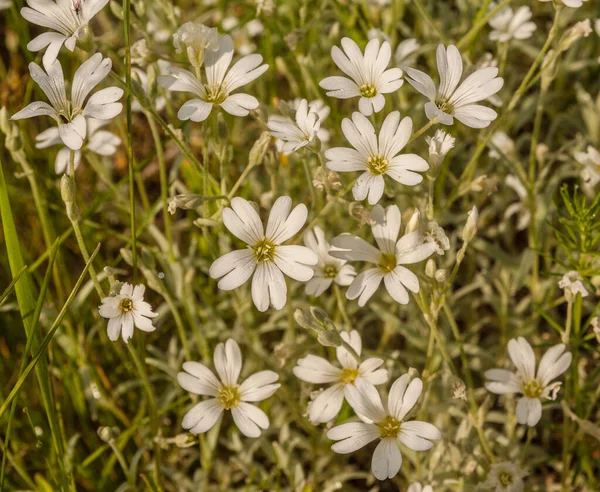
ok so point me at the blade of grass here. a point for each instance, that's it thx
(27, 302)
(39, 352)
(11, 286)
(36, 323)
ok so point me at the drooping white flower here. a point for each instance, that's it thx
(569, 3)
(417, 487)
(127, 310)
(508, 24)
(533, 386)
(69, 18)
(98, 141)
(405, 53)
(317, 370)
(328, 269)
(520, 208)
(226, 393)
(505, 477)
(376, 155)
(386, 423)
(196, 39)
(298, 134)
(265, 258)
(437, 237)
(439, 145)
(389, 258)
(71, 114)
(590, 160)
(572, 283)
(369, 77)
(220, 83)
(450, 100)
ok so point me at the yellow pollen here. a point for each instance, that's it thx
(505, 479)
(330, 271)
(228, 396)
(533, 389)
(377, 164)
(387, 262)
(349, 376)
(126, 305)
(215, 94)
(368, 90)
(264, 250)
(445, 106)
(389, 427)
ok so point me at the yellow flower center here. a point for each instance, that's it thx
(330, 271)
(349, 376)
(377, 164)
(445, 106)
(505, 479)
(389, 427)
(228, 396)
(264, 250)
(387, 262)
(533, 389)
(126, 305)
(215, 94)
(368, 90)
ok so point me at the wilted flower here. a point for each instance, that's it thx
(369, 77)
(386, 423)
(590, 160)
(97, 141)
(509, 24)
(580, 30)
(196, 39)
(572, 283)
(317, 370)
(67, 17)
(328, 269)
(71, 114)
(376, 156)
(505, 477)
(437, 237)
(525, 381)
(389, 258)
(439, 145)
(219, 85)
(450, 100)
(126, 310)
(226, 393)
(265, 258)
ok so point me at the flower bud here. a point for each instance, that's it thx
(413, 223)
(441, 275)
(259, 149)
(68, 195)
(430, 268)
(470, 228)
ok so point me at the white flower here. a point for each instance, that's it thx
(389, 258)
(376, 156)
(417, 487)
(595, 324)
(265, 257)
(439, 145)
(98, 141)
(71, 114)
(322, 110)
(405, 51)
(317, 370)
(385, 423)
(375, 33)
(509, 24)
(525, 381)
(126, 310)
(520, 208)
(569, 3)
(505, 477)
(68, 17)
(590, 160)
(196, 39)
(299, 134)
(328, 269)
(5, 4)
(369, 78)
(503, 143)
(219, 85)
(437, 237)
(141, 76)
(571, 283)
(226, 393)
(450, 100)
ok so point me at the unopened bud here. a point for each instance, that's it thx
(413, 223)
(430, 268)
(259, 149)
(470, 228)
(441, 275)
(68, 195)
